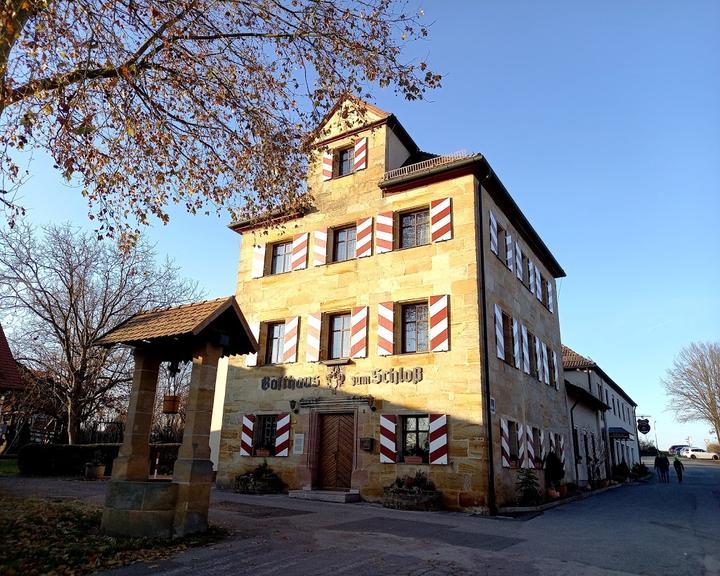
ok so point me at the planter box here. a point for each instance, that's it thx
(262, 452)
(413, 460)
(398, 499)
(248, 484)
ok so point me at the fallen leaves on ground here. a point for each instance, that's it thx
(61, 537)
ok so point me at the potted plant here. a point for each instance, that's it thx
(412, 493)
(95, 468)
(262, 480)
(554, 473)
(527, 487)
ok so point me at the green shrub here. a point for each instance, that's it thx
(527, 487)
(620, 472)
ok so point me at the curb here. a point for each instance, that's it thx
(555, 503)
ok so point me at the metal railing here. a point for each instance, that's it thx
(426, 164)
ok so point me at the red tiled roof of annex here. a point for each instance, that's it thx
(9, 373)
(166, 322)
(572, 359)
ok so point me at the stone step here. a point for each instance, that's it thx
(339, 496)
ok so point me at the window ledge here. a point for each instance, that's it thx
(336, 362)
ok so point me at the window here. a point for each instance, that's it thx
(345, 161)
(542, 296)
(532, 352)
(415, 328)
(415, 229)
(551, 368)
(344, 244)
(265, 429)
(502, 248)
(416, 436)
(513, 443)
(536, 446)
(527, 263)
(508, 339)
(275, 342)
(281, 256)
(339, 336)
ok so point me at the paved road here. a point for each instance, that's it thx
(650, 528)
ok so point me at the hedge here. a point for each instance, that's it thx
(69, 460)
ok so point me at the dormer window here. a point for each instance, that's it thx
(344, 161)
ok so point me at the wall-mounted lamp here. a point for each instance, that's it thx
(294, 406)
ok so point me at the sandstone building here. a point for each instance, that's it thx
(408, 321)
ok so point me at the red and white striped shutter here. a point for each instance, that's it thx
(439, 325)
(525, 350)
(538, 284)
(499, 339)
(540, 461)
(246, 435)
(550, 296)
(551, 437)
(359, 332)
(530, 442)
(438, 439)
(363, 238)
(531, 279)
(562, 449)
(291, 340)
(282, 435)
(518, 261)
(258, 261)
(327, 165)
(493, 234)
(516, 343)
(509, 257)
(314, 321)
(557, 370)
(388, 439)
(546, 370)
(384, 232)
(360, 154)
(386, 328)
(538, 359)
(299, 256)
(520, 435)
(320, 247)
(504, 443)
(441, 220)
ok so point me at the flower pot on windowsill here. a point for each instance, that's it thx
(413, 460)
(171, 404)
(262, 452)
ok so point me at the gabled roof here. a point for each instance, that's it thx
(180, 324)
(9, 373)
(574, 361)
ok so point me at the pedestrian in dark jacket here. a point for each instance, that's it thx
(665, 467)
(679, 468)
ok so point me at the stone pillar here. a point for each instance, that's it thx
(132, 462)
(193, 472)
(135, 506)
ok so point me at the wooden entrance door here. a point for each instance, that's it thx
(337, 442)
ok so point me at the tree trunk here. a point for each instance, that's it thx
(73, 428)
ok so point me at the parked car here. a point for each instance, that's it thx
(693, 453)
(677, 448)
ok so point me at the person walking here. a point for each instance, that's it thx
(658, 467)
(679, 468)
(665, 468)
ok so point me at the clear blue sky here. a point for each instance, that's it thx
(603, 121)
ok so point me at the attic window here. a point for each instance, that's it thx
(344, 161)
